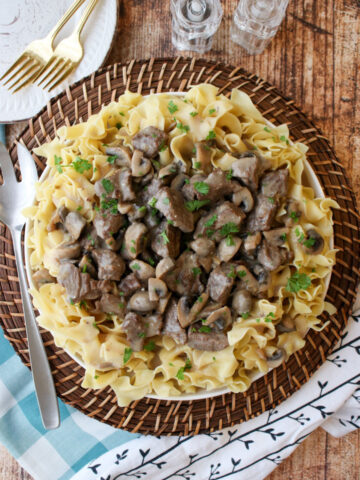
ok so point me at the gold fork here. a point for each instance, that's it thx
(36, 55)
(67, 55)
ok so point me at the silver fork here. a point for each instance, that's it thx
(14, 197)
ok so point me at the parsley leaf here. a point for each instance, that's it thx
(127, 354)
(283, 237)
(180, 372)
(193, 114)
(111, 159)
(298, 281)
(118, 125)
(309, 242)
(245, 315)
(166, 201)
(152, 202)
(202, 187)
(108, 185)
(229, 228)
(229, 241)
(182, 128)
(204, 329)
(271, 200)
(194, 205)
(232, 273)
(229, 174)
(165, 237)
(211, 135)
(110, 204)
(187, 181)
(196, 271)
(295, 216)
(150, 346)
(57, 161)
(212, 110)
(80, 165)
(197, 165)
(211, 221)
(241, 273)
(267, 129)
(172, 107)
(135, 266)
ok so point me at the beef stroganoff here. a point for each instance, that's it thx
(174, 246)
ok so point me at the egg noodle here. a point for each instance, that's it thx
(99, 342)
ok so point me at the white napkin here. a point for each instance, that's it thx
(330, 399)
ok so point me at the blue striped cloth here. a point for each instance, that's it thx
(77, 441)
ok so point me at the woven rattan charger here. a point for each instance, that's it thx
(159, 417)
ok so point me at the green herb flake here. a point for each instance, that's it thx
(151, 261)
(84, 268)
(309, 242)
(132, 250)
(214, 359)
(211, 221)
(180, 372)
(197, 165)
(166, 201)
(108, 185)
(229, 174)
(165, 238)
(204, 329)
(193, 114)
(271, 200)
(152, 202)
(283, 237)
(295, 216)
(149, 347)
(267, 129)
(110, 204)
(121, 305)
(229, 228)
(96, 377)
(83, 304)
(142, 208)
(269, 317)
(141, 334)
(187, 181)
(111, 159)
(245, 315)
(196, 271)
(79, 208)
(81, 165)
(172, 107)
(135, 266)
(211, 135)
(194, 205)
(118, 125)
(212, 110)
(127, 354)
(122, 114)
(170, 222)
(72, 301)
(95, 325)
(194, 150)
(209, 232)
(241, 273)
(298, 281)
(57, 161)
(183, 128)
(171, 364)
(202, 187)
(232, 273)
(229, 241)
(162, 147)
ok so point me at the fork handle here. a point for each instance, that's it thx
(89, 8)
(64, 19)
(43, 380)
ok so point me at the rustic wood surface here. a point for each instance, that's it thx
(314, 59)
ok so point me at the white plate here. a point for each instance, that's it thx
(23, 21)
(309, 179)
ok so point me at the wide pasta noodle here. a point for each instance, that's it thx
(172, 369)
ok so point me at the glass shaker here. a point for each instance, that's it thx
(256, 22)
(194, 23)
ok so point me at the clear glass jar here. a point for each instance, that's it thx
(194, 23)
(256, 22)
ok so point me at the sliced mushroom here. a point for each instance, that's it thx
(162, 303)
(277, 236)
(57, 218)
(251, 242)
(228, 247)
(178, 182)
(125, 207)
(294, 213)
(140, 302)
(276, 358)
(68, 250)
(140, 165)
(134, 328)
(153, 324)
(42, 276)
(206, 263)
(220, 318)
(203, 246)
(187, 313)
(86, 266)
(242, 301)
(203, 157)
(157, 289)
(242, 198)
(314, 242)
(164, 266)
(168, 171)
(122, 154)
(246, 280)
(142, 270)
(286, 325)
(134, 239)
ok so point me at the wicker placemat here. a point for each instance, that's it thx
(182, 418)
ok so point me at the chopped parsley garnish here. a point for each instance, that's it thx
(194, 205)
(229, 228)
(135, 266)
(209, 232)
(84, 268)
(91, 240)
(194, 150)
(152, 202)
(211, 221)
(132, 250)
(80, 165)
(182, 128)
(295, 216)
(150, 346)
(57, 161)
(245, 315)
(232, 273)
(83, 304)
(96, 377)
(170, 222)
(202, 187)
(196, 271)
(142, 208)
(110, 204)
(229, 174)
(211, 135)
(180, 372)
(267, 129)
(108, 185)
(122, 114)
(214, 358)
(111, 159)
(284, 139)
(200, 299)
(271, 200)
(121, 305)
(269, 317)
(127, 354)
(166, 201)
(298, 281)
(241, 273)
(283, 237)
(79, 208)
(95, 325)
(172, 107)
(162, 147)
(141, 334)
(193, 114)
(151, 261)
(164, 237)
(309, 242)
(187, 181)
(118, 125)
(212, 110)
(230, 241)
(197, 165)
(204, 329)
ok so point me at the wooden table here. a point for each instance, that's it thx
(315, 60)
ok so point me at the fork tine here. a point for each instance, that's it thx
(67, 72)
(13, 66)
(7, 168)
(28, 168)
(58, 72)
(25, 74)
(49, 70)
(30, 78)
(24, 65)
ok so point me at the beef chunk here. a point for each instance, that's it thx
(147, 194)
(134, 239)
(225, 213)
(129, 284)
(165, 240)
(269, 256)
(79, 286)
(171, 204)
(109, 303)
(110, 266)
(153, 324)
(203, 156)
(149, 141)
(185, 278)
(262, 216)
(220, 283)
(108, 224)
(251, 243)
(246, 168)
(135, 331)
(89, 239)
(122, 154)
(274, 184)
(74, 224)
(172, 327)
(117, 185)
(211, 342)
(218, 184)
(42, 276)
